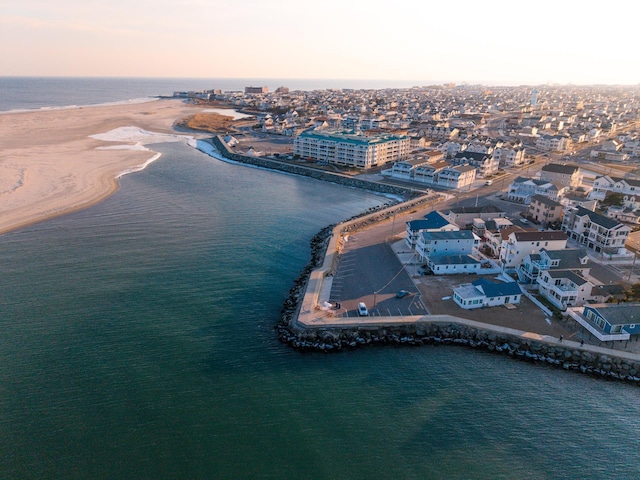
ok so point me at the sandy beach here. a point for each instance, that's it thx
(53, 162)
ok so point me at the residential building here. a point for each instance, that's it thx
(435, 132)
(574, 199)
(453, 264)
(438, 174)
(455, 242)
(553, 143)
(463, 216)
(485, 293)
(489, 232)
(483, 162)
(522, 189)
(509, 157)
(575, 259)
(516, 245)
(544, 211)
(433, 221)
(596, 232)
(565, 175)
(603, 185)
(623, 214)
(564, 288)
(609, 321)
(349, 149)
(456, 177)
(256, 90)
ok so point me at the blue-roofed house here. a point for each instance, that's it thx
(456, 242)
(609, 321)
(433, 221)
(485, 293)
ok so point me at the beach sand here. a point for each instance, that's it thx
(50, 165)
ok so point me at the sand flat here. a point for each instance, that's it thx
(50, 165)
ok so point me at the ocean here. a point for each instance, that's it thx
(137, 341)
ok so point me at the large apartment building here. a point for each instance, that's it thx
(349, 149)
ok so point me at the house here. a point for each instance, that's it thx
(564, 288)
(485, 293)
(565, 175)
(453, 264)
(575, 199)
(596, 232)
(516, 245)
(456, 177)
(553, 143)
(522, 189)
(485, 164)
(489, 233)
(567, 259)
(544, 211)
(406, 168)
(623, 214)
(509, 157)
(433, 221)
(604, 184)
(608, 292)
(609, 321)
(463, 216)
(455, 242)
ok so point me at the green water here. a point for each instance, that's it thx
(137, 341)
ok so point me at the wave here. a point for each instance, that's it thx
(139, 168)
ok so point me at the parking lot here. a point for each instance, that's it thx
(372, 273)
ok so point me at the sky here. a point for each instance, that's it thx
(496, 42)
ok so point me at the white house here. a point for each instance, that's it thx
(595, 231)
(518, 244)
(564, 288)
(485, 293)
(453, 264)
(522, 189)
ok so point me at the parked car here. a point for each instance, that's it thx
(524, 221)
(362, 310)
(488, 182)
(402, 294)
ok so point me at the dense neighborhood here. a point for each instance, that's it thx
(562, 160)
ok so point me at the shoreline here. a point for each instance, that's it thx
(57, 161)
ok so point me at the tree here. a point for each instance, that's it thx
(613, 198)
(633, 294)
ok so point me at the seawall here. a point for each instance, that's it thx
(325, 176)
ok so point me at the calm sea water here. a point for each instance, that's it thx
(39, 92)
(137, 341)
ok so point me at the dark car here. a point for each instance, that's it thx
(402, 294)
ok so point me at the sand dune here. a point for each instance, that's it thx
(53, 162)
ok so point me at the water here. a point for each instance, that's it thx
(38, 92)
(137, 341)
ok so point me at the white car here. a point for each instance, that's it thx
(524, 221)
(362, 310)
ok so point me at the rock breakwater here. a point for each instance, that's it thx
(568, 357)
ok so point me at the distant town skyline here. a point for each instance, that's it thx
(493, 42)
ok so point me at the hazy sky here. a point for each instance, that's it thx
(491, 41)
